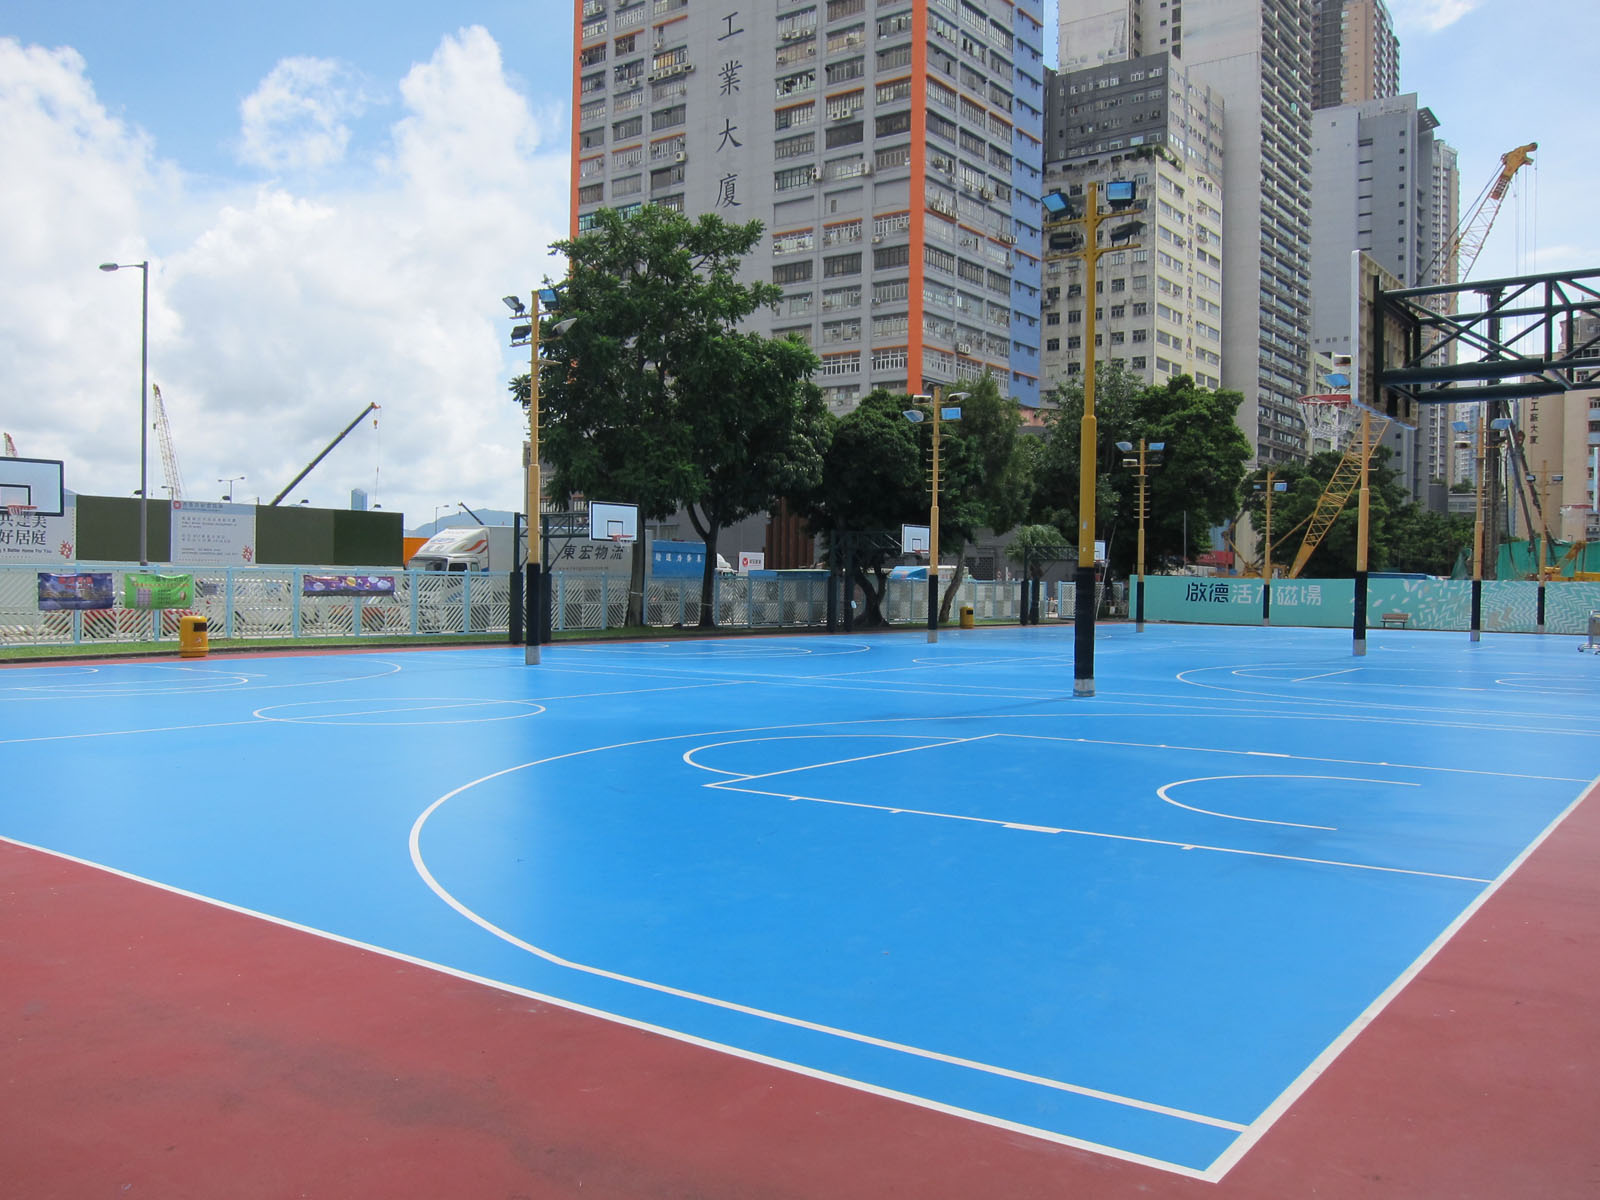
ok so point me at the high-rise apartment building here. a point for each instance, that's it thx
(1381, 183)
(893, 152)
(1356, 55)
(1158, 307)
(1256, 56)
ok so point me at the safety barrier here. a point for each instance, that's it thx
(261, 603)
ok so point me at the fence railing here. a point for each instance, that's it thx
(260, 603)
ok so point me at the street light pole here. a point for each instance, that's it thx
(933, 524)
(144, 400)
(1059, 213)
(1363, 524)
(230, 480)
(1156, 449)
(1477, 540)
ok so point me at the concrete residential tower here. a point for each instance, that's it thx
(1255, 55)
(891, 150)
(1158, 307)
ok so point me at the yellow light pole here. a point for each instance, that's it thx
(1477, 539)
(1058, 214)
(1155, 449)
(1544, 482)
(1363, 521)
(936, 402)
(533, 630)
(1266, 555)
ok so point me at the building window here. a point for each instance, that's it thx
(841, 264)
(891, 256)
(796, 272)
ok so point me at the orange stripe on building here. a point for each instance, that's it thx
(919, 203)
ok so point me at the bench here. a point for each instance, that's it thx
(1396, 620)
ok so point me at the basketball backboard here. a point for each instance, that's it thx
(32, 482)
(1379, 340)
(616, 522)
(915, 539)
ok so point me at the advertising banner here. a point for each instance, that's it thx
(143, 590)
(84, 590)
(347, 585)
(213, 533)
(31, 537)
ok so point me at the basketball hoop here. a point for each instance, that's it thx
(18, 511)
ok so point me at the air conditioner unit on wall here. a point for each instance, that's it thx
(680, 156)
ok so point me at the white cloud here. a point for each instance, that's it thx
(1429, 16)
(296, 118)
(277, 315)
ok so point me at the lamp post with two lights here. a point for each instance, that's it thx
(1149, 456)
(936, 403)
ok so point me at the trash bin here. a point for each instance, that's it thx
(966, 616)
(192, 640)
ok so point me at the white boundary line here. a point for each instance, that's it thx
(1286, 1099)
(631, 1022)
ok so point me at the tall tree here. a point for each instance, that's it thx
(653, 395)
(872, 480)
(1196, 485)
(984, 479)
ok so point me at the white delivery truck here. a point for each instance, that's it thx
(467, 548)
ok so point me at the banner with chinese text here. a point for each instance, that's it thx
(32, 537)
(143, 590)
(84, 590)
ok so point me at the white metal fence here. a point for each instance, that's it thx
(259, 603)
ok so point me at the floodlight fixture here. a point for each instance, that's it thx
(515, 304)
(550, 297)
(1156, 447)
(1123, 233)
(560, 327)
(1121, 192)
(1337, 379)
(1056, 205)
(915, 416)
(520, 334)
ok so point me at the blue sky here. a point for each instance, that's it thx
(335, 195)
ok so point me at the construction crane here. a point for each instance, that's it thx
(1342, 484)
(1463, 245)
(169, 456)
(326, 450)
(11, 447)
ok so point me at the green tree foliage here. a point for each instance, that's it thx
(654, 396)
(1039, 547)
(984, 480)
(872, 480)
(1195, 487)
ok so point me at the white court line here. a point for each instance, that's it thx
(733, 1006)
(1286, 1099)
(1323, 675)
(730, 786)
(1162, 792)
(1310, 758)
